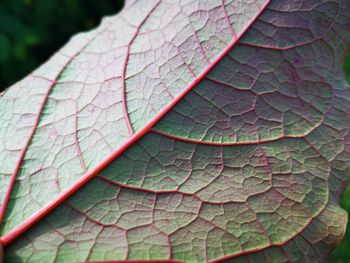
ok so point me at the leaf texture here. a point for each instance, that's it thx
(196, 131)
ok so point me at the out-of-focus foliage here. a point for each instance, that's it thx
(342, 253)
(32, 30)
(347, 67)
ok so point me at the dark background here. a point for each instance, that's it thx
(32, 30)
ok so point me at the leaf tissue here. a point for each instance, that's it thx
(187, 131)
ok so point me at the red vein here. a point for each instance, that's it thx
(275, 244)
(14, 174)
(233, 33)
(178, 138)
(125, 109)
(138, 261)
(276, 48)
(31, 134)
(26, 224)
(174, 191)
(77, 145)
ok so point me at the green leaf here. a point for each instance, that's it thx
(200, 132)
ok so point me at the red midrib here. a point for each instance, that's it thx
(26, 224)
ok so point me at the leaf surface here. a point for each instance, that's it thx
(185, 139)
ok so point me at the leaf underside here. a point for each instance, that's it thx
(194, 131)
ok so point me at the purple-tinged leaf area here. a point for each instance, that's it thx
(69, 228)
(247, 166)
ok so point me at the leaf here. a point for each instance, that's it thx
(176, 137)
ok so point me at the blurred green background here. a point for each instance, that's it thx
(342, 253)
(32, 30)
